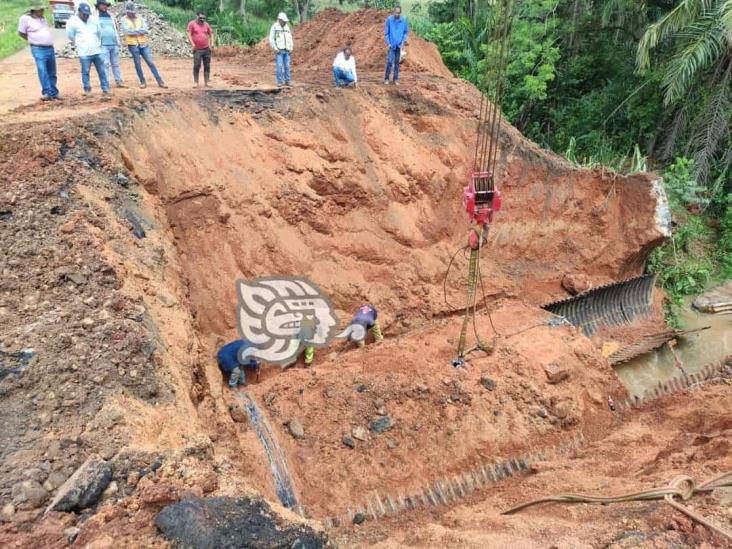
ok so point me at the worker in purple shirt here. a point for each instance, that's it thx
(231, 366)
(396, 30)
(366, 318)
(33, 28)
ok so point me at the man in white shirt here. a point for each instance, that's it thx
(84, 33)
(344, 68)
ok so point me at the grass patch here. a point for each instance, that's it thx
(10, 42)
(177, 17)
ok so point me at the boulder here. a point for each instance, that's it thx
(29, 492)
(208, 523)
(84, 488)
(576, 283)
(296, 429)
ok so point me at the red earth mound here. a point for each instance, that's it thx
(318, 40)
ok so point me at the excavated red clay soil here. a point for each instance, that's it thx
(358, 190)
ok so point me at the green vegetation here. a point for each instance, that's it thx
(10, 42)
(700, 249)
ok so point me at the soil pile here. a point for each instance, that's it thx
(318, 41)
(164, 39)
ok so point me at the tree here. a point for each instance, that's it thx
(693, 43)
(302, 7)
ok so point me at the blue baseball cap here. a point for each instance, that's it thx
(85, 9)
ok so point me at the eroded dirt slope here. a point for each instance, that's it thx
(359, 191)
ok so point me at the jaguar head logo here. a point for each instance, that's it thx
(281, 315)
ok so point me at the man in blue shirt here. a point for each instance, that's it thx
(110, 40)
(228, 359)
(367, 318)
(395, 36)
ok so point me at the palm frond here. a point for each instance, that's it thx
(703, 46)
(675, 20)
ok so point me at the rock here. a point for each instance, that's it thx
(238, 414)
(361, 388)
(359, 518)
(122, 179)
(29, 492)
(718, 299)
(562, 409)
(7, 511)
(379, 403)
(76, 278)
(555, 373)
(576, 283)
(102, 542)
(348, 441)
(391, 444)
(296, 429)
(84, 488)
(87, 322)
(167, 300)
(381, 411)
(359, 433)
(71, 533)
(542, 412)
(487, 382)
(159, 493)
(68, 227)
(381, 424)
(35, 474)
(232, 522)
(110, 491)
(133, 478)
(54, 480)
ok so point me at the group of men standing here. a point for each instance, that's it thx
(98, 40)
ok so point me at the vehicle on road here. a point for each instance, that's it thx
(62, 12)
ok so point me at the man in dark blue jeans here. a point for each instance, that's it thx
(135, 31)
(395, 36)
(232, 366)
(33, 28)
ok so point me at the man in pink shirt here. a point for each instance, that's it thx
(33, 28)
(199, 33)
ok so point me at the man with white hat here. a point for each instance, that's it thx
(280, 39)
(33, 28)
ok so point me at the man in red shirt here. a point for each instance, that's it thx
(199, 33)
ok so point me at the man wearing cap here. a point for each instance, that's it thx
(280, 39)
(110, 41)
(33, 28)
(199, 33)
(84, 33)
(134, 28)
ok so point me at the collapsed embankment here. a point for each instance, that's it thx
(123, 234)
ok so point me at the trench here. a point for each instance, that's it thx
(252, 191)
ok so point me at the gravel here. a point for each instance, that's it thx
(164, 39)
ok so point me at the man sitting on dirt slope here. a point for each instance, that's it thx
(228, 359)
(344, 68)
(280, 40)
(396, 31)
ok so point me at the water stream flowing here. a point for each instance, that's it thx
(694, 350)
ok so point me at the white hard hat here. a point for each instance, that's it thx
(282, 16)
